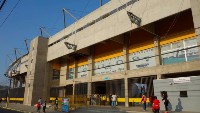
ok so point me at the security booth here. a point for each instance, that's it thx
(182, 93)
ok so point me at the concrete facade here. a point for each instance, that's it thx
(107, 28)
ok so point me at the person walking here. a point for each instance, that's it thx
(166, 101)
(114, 98)
(38, 107)
(110, 99)
(40, 101)
(156, 105)
(143, 101)
(56, 103)
(44, 107)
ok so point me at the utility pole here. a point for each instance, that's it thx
(8, 98)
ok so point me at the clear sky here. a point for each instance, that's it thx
(26, 19)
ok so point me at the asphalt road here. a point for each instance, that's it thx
(8, 111)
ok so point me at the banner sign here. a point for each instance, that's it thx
(181, 80)
(82, 71)
(142, 59)
(111, 65)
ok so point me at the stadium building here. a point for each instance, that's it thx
(121, 48)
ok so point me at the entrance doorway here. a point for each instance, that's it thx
(99, 88)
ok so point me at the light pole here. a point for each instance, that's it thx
(73, 95)
(8, 99)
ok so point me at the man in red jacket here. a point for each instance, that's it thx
(156, 105)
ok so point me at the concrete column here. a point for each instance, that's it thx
(126, 92)
(76, 69)
(126, 67)
(159, 76)
(63, 72)
(157, 51)
(64, 91)
(37, 74)
(74, 77)
(157, 54)
(196, 17)
(90, 73)
(73, 92)
(125, 52)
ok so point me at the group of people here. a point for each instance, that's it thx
(155, 102)
(96, 99)
(40, 104)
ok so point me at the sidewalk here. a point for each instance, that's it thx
(32, 109)
(25, 108)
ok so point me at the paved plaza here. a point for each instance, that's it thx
(90, 109)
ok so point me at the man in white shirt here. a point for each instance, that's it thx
(114, 98)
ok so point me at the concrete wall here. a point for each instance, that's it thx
(190, 103)
(37, 74)
(113, 25)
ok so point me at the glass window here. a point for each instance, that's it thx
(56, 74)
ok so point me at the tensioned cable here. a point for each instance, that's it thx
(85, 6)
(175, 19)
(141, 26)
(10, 13)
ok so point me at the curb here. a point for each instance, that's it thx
(15, 109)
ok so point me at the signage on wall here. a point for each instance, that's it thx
(82, 71)
(142, 59)
(181, 80)
(111, 65)
(106, 78)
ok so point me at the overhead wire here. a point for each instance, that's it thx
(10, 13)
